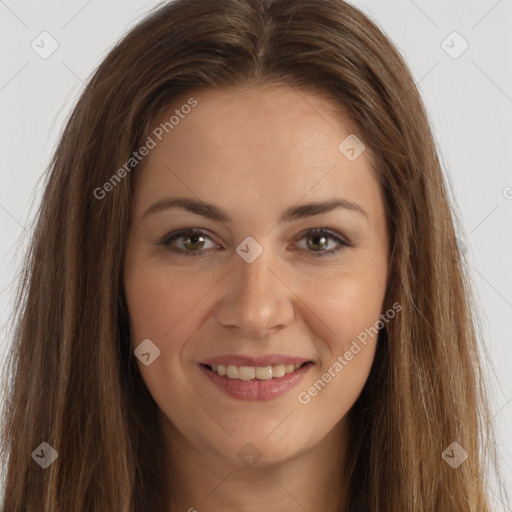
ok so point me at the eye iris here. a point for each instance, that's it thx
(194, 240)
(315, 237)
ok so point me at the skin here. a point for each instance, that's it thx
(253, 152)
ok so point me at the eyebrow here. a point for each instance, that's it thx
(213, 212)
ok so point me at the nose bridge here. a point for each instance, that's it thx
(255, 301)
(256, 280)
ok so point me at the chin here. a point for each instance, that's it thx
(260, 451)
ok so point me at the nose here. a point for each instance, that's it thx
(256, 300)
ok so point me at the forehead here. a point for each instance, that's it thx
(274, 143)
(266, 118)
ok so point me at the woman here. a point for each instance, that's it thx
(319, 351)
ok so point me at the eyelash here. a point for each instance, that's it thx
(166, 240)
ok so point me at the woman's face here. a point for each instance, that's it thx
(255, 292)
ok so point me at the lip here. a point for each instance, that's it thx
(256, 390)
(267, 360)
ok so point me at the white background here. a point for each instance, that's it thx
(469, 101)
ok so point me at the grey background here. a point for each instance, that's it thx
(469, 101)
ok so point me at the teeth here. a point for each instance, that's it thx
(263, 372)
(246, 372)
(254, 372)
(279, 370)
(232, 372)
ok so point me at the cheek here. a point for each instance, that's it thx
(332, 392)
(165, 307)
(349, 311)
(162, 301)
(329, 393)
(347, 304)
(158, 303)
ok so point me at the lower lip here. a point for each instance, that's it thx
(257, 389)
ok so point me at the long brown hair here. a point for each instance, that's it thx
(72, 381)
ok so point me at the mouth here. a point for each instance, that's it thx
(275, 371)
(255, 383)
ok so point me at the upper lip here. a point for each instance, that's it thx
(266, 360)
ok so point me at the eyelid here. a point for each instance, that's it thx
(331, 232)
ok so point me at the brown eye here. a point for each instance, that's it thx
(317, 241)
(192, 242)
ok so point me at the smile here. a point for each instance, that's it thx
(255, 382)
(254, 372)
